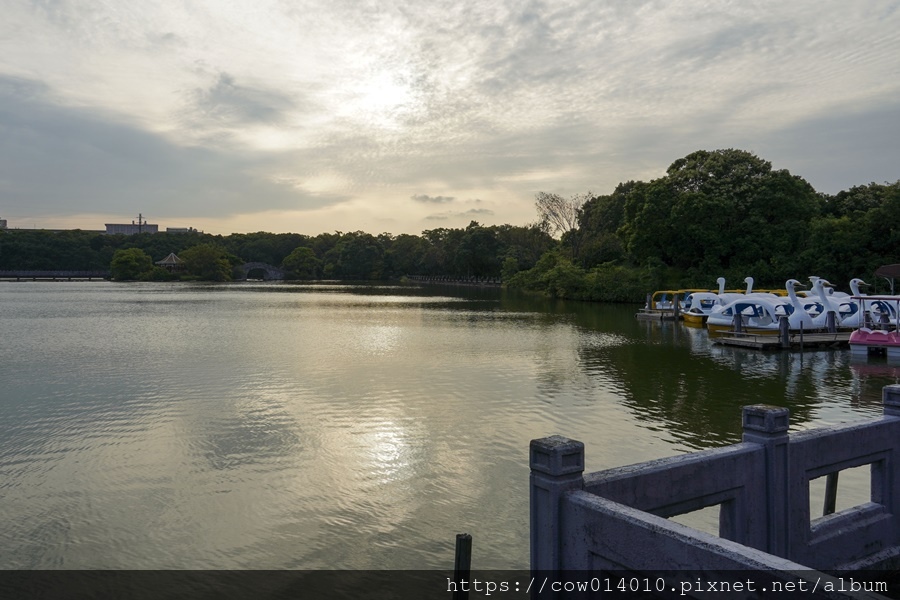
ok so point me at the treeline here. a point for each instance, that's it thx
(719, 213)
(715, 213)
(475, 251)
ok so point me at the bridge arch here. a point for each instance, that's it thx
(269, 272)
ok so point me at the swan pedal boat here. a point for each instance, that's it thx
(758, 316)
(662, 303)
(698, 307)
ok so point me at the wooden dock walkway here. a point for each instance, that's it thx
(52, 275)
(657, 314)
(796, 341)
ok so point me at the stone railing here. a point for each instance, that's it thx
(617, 518)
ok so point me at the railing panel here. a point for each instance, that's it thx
(656, 484)
(731, 477)
(608, 519)
(602, 534)
(849, 535)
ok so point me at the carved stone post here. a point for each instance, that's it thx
(886, 477)
(768, 426)
(557, 466)
(890, 397)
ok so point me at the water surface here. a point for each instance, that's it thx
(281, 426)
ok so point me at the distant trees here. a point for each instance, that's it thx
(357, 256)
(718, 213)
(208, 262)
(721, 212)
(714, 213)
(856, 233)
(302, 263)
(130, 264)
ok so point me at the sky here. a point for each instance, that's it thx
(399, 116)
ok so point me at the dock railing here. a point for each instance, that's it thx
(618, 518)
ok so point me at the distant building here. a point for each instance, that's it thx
(140, 227)
(133, 228)
(2, 223)
(181, 230)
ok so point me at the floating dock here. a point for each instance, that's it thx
(657, 314)
(795, 341)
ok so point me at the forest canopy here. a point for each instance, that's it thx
(714, 213)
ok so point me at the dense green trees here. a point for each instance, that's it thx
(721, 213)
(714, 213)
(209, 262)
(130, 264)
(725, 211)
(476, 251)
(302, 263)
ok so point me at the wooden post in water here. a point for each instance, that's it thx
(676, 307)
(738, 323)
(462, 566)
(830, 322)
(784, 333)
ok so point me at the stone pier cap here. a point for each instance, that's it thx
(556, 455)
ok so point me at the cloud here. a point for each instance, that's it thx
(472, 212)
(432, 199)
(855, 144)
(226, 101)
(220, 111)
(60, 160)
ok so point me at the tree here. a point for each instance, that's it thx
(560, 216)
(406, 255)
(359, 256)
(477, 253)
(208, 262)
(130, 264)
(302, 263)
(525, 244)
(558, 213)
(600, 221)
(441, 257)
(724, 212)
(858, 199)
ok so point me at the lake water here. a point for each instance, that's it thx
(292, 426)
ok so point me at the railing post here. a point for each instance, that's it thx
(768, 426)
(557, 466)
(887, 478)
(890, 398)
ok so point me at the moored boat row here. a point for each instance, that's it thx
(770, 312)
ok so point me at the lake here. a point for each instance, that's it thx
(336, 426)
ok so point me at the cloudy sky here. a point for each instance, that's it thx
(400, 116)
